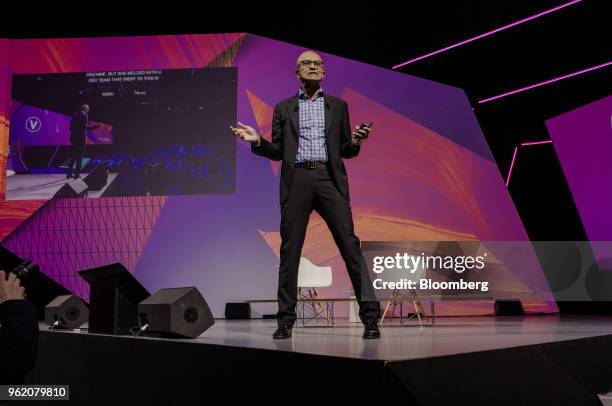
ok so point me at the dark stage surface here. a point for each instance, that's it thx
(463, 360)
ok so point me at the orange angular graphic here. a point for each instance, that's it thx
(263, 116)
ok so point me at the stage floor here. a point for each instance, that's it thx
(532, 360)
(450, 336)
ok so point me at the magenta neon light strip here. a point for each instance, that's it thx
(525, 144)
(522, 89)
(486, 34)
(511, 166)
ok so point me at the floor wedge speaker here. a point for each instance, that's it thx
(175, 312)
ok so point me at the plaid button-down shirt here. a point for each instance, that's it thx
(312, 143)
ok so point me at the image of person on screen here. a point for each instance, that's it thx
(79, 125)
(311, 134)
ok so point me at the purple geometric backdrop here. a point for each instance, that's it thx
(425, 174)
(74, 234)
(583, 142)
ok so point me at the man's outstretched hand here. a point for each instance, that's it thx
(10, 289)
(245, 133)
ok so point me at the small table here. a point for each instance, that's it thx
(415, 300)
(326, 309)
(313, 310)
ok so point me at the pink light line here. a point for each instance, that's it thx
(522, 89)
(524, 144)
(536, 143)
(486, 34)
(511, 166)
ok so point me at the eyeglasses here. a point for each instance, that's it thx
(306, 62)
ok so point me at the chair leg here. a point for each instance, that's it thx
(318, 310)
(382, 319)
(418, 312)
(313, 295)
(393, 301)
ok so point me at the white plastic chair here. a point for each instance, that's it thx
(311, 277)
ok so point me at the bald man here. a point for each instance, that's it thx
(311, 134)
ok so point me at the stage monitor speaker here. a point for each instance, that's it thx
(40, 288)
(113, 299)
(66, 311)
(72, 188)
(176, 312)
(508, 308)
(237, 311)
(98, 177)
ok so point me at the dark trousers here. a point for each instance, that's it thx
(77, 152)
(315, 189)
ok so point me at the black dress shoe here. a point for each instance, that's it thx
(371, 329)
(283, 331)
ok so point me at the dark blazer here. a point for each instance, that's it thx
(284, 145)
(78, 128)
(18, 340)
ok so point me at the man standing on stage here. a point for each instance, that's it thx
(311, 134)
(78, 138)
